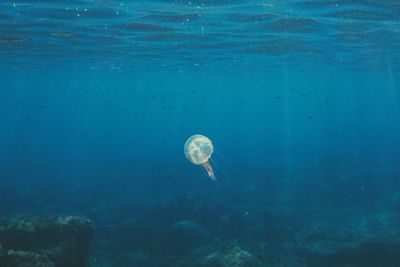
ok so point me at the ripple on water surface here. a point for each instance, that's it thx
(189, 30)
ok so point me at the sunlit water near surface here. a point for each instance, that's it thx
(300, 98)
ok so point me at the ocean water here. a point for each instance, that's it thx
(301, 100)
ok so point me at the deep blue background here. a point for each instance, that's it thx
(74, 138)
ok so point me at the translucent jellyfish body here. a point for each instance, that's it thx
(198, 150)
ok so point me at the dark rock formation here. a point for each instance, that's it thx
(45, 242)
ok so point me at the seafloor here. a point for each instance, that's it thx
(209, 229)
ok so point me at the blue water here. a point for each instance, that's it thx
(301, 100)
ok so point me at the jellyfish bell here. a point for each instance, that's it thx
(198, 150)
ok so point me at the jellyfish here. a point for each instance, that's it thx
(198, 149)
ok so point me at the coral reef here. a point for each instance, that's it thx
(34, 241)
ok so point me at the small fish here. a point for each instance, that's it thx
(278, 97)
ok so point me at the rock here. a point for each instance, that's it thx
(231, 257)
(61, 241)
(27, 259)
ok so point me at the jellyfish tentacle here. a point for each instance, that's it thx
(207, 166)
(212, 176)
